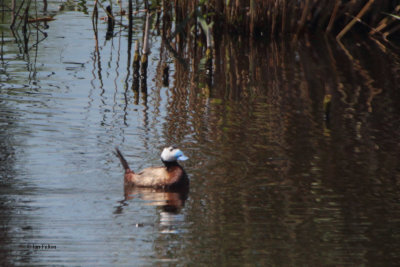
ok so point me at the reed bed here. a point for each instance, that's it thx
(282, 17)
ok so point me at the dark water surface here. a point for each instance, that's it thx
(275, 180)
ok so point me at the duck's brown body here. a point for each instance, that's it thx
(170, 176)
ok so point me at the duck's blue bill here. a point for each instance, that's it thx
(180, 156)
(183, 157)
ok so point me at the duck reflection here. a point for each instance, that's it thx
(169, 200)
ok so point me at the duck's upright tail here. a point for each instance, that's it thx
(123, 161)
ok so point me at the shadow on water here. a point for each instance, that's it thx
(293, 152)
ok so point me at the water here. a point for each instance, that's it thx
(274, 181)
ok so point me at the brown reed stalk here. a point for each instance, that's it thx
(252, 16)
(333, 15)
(354, 20)
(302, 20)
(281, 17)
(391, 31)
(385, 22)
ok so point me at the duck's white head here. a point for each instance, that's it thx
(171, 154)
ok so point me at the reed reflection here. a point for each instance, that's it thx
(294, 135)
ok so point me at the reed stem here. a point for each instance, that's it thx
(354, 20)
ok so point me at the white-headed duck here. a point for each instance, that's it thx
(169, 176)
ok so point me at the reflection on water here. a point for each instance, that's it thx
(169, 201)
(277, 178)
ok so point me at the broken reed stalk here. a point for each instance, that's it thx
(354, 20)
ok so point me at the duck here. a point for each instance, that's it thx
(169, 176)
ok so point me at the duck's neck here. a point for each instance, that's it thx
(170, 164)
